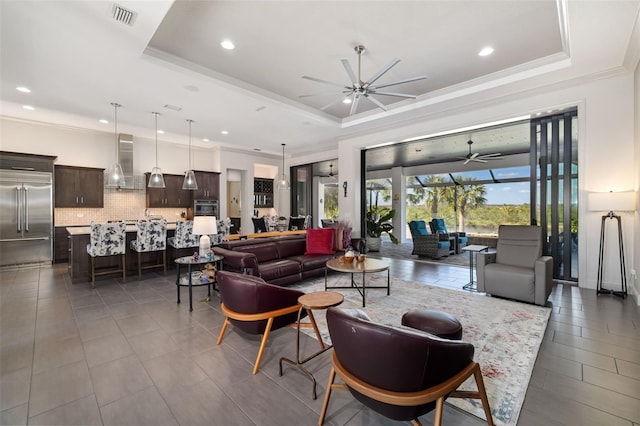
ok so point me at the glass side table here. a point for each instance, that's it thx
(187, 281)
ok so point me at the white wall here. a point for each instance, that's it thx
(90, 148)
(634, 282)
(606, 150)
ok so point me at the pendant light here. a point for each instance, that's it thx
(114, 174)
(283, 184)
(190, 177)
(156, 180)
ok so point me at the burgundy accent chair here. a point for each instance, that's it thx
(256, 307)
(411, 373)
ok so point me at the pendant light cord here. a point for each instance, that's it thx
(115, 127)
(283, 177)
(156, 117)
(190, 121)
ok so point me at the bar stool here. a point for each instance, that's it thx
(151, 236)
(107, 240)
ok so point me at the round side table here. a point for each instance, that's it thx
(309, 302)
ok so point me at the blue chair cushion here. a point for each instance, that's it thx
(463, 239)
(439, 226)
(418, 227)
(444, 244)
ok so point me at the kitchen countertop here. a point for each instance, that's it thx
(86, 230)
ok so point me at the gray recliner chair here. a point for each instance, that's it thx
(517, 270)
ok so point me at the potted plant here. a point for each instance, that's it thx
(378, 221)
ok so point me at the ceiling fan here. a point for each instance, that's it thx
(480, 158)
(331, 174)
(363, 89)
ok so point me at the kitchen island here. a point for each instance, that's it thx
(79, 237)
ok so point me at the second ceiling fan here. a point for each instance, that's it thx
(363, 89)
(479, 158)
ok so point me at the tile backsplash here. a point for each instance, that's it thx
(118, 205)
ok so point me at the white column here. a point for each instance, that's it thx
(399, 202)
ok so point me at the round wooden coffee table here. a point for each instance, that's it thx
(309, 302)
(368, 266)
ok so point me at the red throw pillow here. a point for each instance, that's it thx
(320, 241)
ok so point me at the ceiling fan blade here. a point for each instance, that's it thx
(320, 94)
(408, 80)
(398, 95)
(349, 70)
(478, 160)
(474, 155)
(467, 161)
(319, 80)
(377, 102)
(354, 104)
(495, 154)
(380, 73)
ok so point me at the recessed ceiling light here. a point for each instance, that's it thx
(29, 107)
(227, 44)
(103, 121)
(23, 89)
(347, 101)
(160, 132)
(257, 149)
(224, 132)
(486, 51)
(205, 140)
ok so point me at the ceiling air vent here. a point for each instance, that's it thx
(123, 15)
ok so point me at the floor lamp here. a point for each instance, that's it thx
(612, 201)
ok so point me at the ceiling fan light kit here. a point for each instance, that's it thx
(358, 88)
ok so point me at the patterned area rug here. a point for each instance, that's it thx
(506, 334)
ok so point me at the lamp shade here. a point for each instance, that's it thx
(205, 225)
(612, 201)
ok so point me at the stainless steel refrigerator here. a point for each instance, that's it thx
(26, 217)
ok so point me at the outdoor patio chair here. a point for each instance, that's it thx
(426, 244)
(461, 239)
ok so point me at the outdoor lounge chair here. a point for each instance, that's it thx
(426, 244)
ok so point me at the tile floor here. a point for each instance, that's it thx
(127, 354)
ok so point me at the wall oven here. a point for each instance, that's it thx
(205, 208)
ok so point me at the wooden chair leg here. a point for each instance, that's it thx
(327, 395)
(93, 272)
(439, 408)
(224, 328)
(477, 374)
(263, 345)
(416, 422)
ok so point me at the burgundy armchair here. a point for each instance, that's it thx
(412, 372)
(256, 307)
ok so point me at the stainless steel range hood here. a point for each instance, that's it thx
(125, 158)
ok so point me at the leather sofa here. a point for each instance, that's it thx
(277, 260)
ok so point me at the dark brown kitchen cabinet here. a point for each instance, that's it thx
(79, 187)
(61, 245)
(172, 195)
(208, 186)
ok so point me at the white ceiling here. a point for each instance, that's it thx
(77, 59)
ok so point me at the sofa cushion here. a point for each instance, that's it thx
(320, 241)
(264, 251)
(273, 269)
(313, 261)
(291, 247)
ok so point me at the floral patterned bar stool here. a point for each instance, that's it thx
(152, 236)
(183, 236)
(107, 240)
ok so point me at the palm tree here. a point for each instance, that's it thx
(434, 194)
(469, 196)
